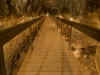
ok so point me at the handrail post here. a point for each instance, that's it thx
(61, 28)
(31, 38)
(38, 29)
(70, 37)
(56, 24)
(40, 25)
(2, 62)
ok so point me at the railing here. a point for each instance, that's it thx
(88, 30)
(8, 34)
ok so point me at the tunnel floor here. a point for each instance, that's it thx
(50, 55)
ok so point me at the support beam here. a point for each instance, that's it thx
(31, 38)
(38, 29)
(61, 28)
(70, 37)
(2, 62)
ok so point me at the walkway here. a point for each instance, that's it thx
(50, 55)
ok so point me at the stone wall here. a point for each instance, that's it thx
(15, 46)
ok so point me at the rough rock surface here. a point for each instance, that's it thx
(78, 53)
(97, 59)
(88, 58)
(89, 66)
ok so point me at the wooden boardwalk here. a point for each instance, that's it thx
(50, 55)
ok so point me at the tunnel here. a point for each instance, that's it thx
(49, 37)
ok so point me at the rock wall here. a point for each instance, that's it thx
(81, 40)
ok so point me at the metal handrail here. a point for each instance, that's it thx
(9, 33)
(88, 30)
